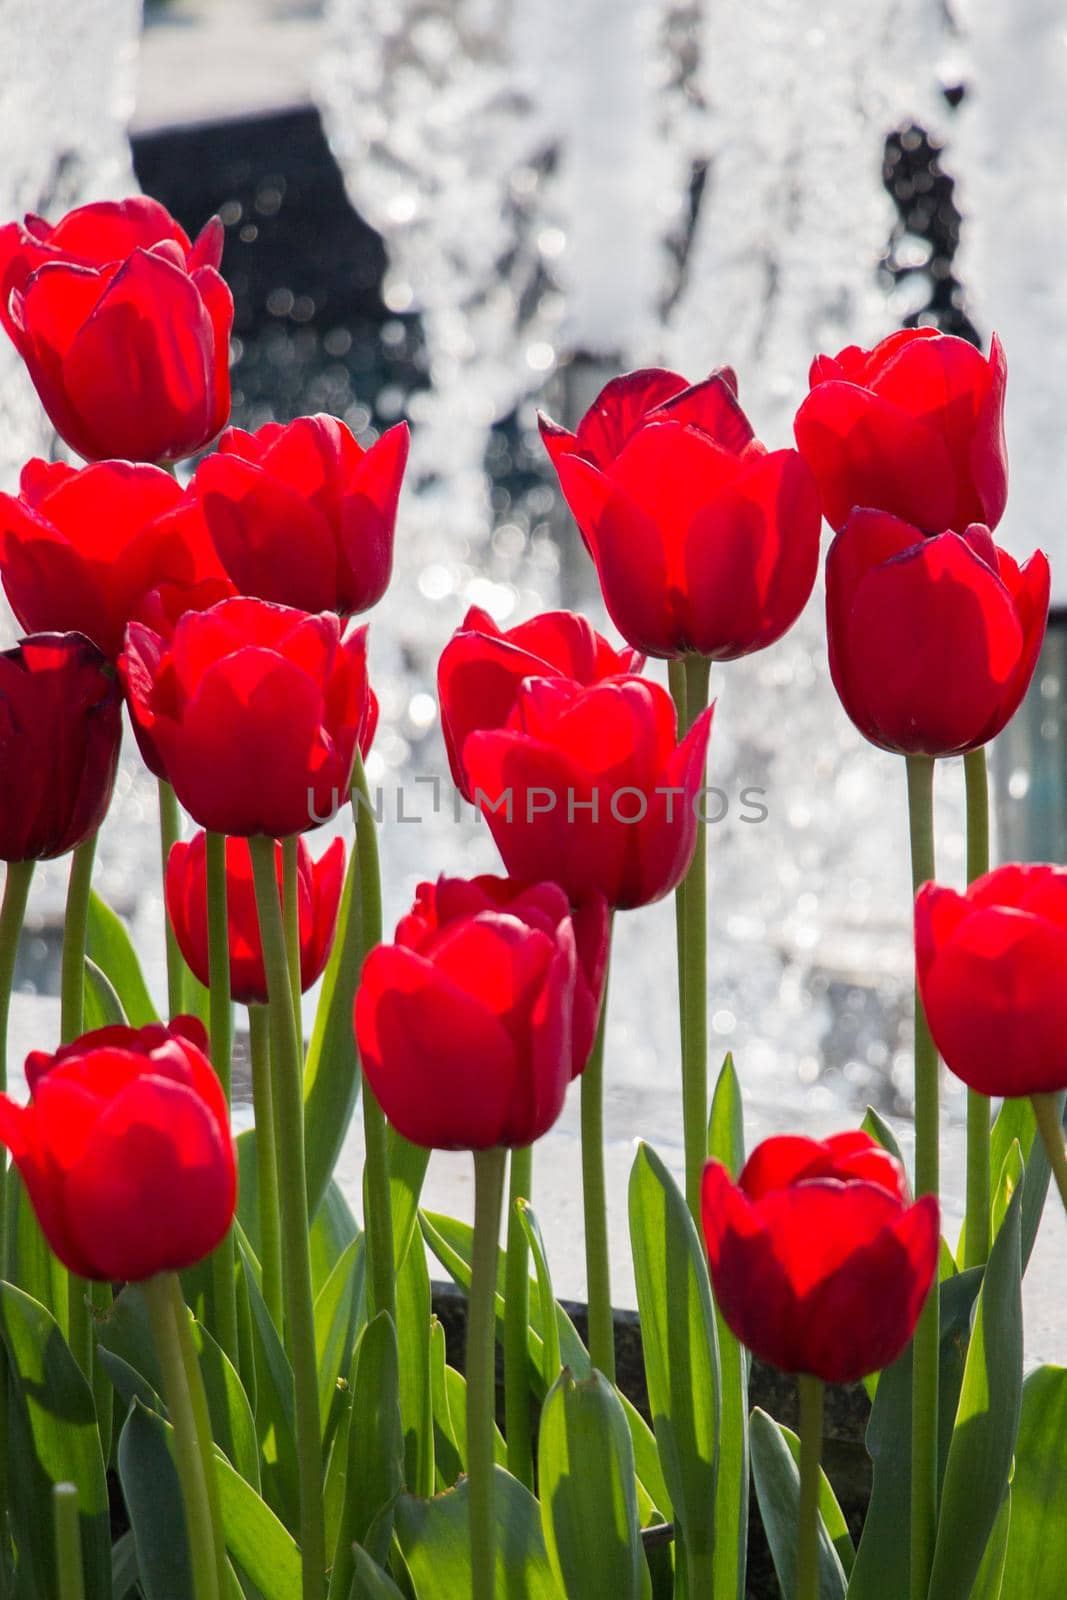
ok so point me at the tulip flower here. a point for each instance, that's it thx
(543, 905)
(255, 712)
(992, 967)
(819, 1264)
(80, 550)
(125, 1150)
(914, 427)
(590, 786)
(124, 328)
(703, 540)
(465, 1031)
(60, 729)
(319, 886)
(482, 668)
(932, 641)
(302, 515)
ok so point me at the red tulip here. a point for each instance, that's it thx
(992, 970)
(319, 885)
(465, 1034)
(302, 515)
(81, 549)
(589, 786)
(125, 1150)
(481, 669)
(124, 328)
(818, 1262)
(541, 905)
(703, 541)
(932, 641)
(914, 427)
(254, 711)
(60, 729)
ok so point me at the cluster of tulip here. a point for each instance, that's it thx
(309, 1394)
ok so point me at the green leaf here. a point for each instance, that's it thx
(989, 1584)
(681, 1354)
(126, 1333)
(726, 1143)
(880, 1131)
(987, 1420)
(1037, 1538)
(31, 1264)
(832, 1516)
(375, 1469)
(726, 1123)
(369, 1581)
(407, 1169)
(103, 1008)
(123, 1565)
(450, 1241)
(255, 1539)
(434, 1540)
(52, 1438)
(331, 1073)
(450, 1460)
(332, 1232)
(551, 1360)
(1011, 1176)
(416, 1398)
(153, 1499)
(337, 1317)
(588, 1491)
(882, 1570)
(110, 948)
(1038, 1174)
(274, 1415)
(777, 1479)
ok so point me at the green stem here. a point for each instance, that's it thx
(224, 1289)
(12, 915)
(595, 1206)
(693, 986)
(72, 1025)
(266, 1161)
(378, 1206)
(1050, 1127)
(481, 1368)
(291, 914)
(67, 1523)
(680, 696)
(516, 1325)
(188, 1448)
(75, 935)
(287, 1085)
(811, 1399)
(170, 828)
(977, 1225)
(924, 1397)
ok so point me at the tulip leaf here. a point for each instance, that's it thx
(880, 1131)
(123, 1565)
(125, 1334)
(416, 1398)
(1037, 1537)
(832, 1516)
(726, 1143)
(331, 1072)
(256, 1541)
(450, 1454)
(451, 1242)
(589, 1511)
(777, 1478)
(338, 1308)
(434, 1540)
(332, 1232)
(1011, 1176)
(681, 1355)
(989, 1584)
(374, 1474)
(52, 1438)
(407, 1169)
(102, 1006)
(31, 1264)
(274, 1414)
(882, 1569)
(369, 1582)
(987, 1419)
(153, 1499)
(110, 948)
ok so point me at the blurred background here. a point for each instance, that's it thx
(457, 211)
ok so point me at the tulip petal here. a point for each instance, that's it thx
(272, 540)
(620, 409)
